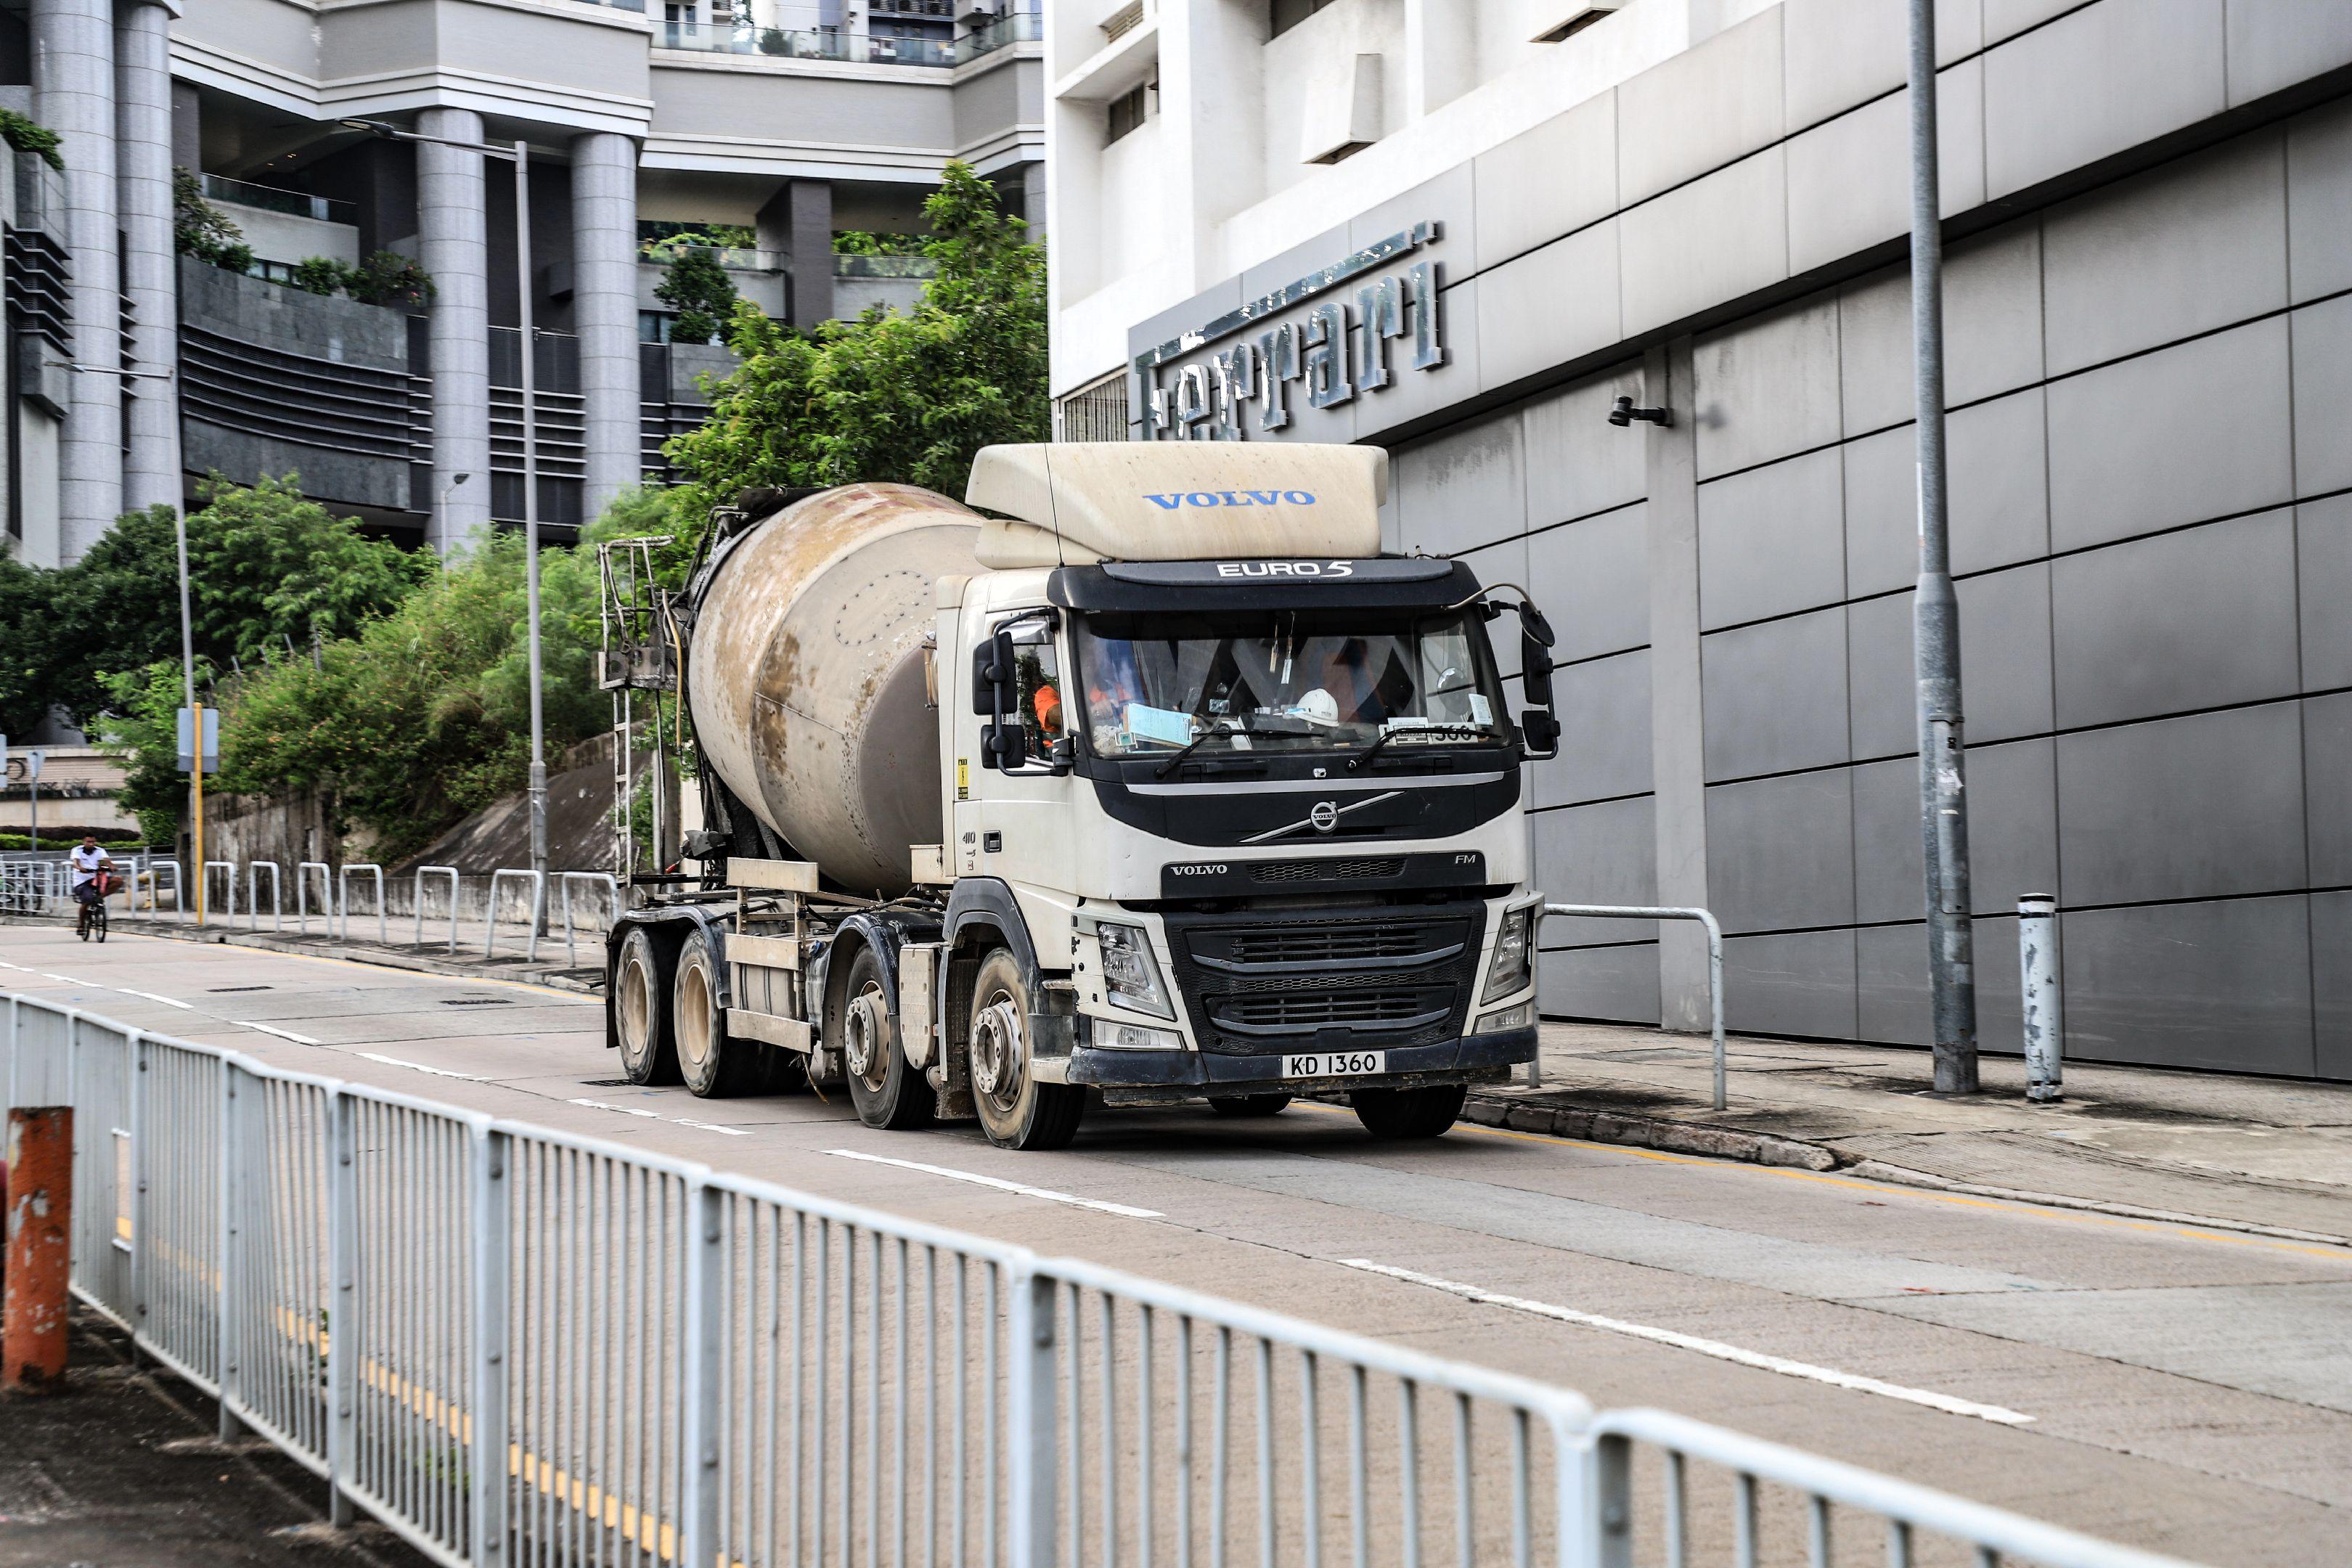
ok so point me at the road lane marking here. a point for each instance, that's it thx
(601, 1105)
(1715, 1348)
(399, 1062)
(1126, 1210)
(713, 1127)
(167, 1001)
(281, 1034)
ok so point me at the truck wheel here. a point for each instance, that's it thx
(641, 989)
(1410, 1112)
(1016, 1111)
(1244, 1105)
(887, 1090)
(714, 1067)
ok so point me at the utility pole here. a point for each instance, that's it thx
(1936, 617)
(531, 536)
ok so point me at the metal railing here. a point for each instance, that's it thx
(1714, 961)
(204, 887)
(512, 1344)
(613, 896)
(302, 894)
(418, 897)
(343, 887)
(253, 896)
(272, 198)
(538, 880)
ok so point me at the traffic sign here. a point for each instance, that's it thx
(212, 740)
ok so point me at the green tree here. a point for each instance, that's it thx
(888, 397)
(321, 275)
(143, 729)
(700, 290)
(202, 230)
(31, 136)
(117, 608)
(269, 566)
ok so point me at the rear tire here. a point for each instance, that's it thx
(1401, 1113)
(1016, 1111)
(642, 981)
(887, 1090)
(1241, 1106)
(714, 1067)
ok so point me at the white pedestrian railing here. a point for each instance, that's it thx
(302, 870)
(1714, 961)
(538, 880)
(343, 887)
(204, 886)
(253, 870)
(418, 896)
(611, 906)
(516, 1345)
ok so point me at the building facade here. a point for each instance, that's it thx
(760, 130)
(1463, 232)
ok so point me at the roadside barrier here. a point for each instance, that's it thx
(344, 886)
(538, 880)
(204, 887)
(1714, 959)
(302, 869)
(418, 897)
(611, 906)
(253, 870)
(513, 1345)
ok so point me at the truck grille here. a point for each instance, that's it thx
(1368, 978)
(1363, 870)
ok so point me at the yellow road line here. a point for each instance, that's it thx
(1964, 1200)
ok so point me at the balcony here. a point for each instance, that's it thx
(270, 198)
(792, 44)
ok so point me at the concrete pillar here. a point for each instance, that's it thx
(142, 76)
(604, 309)
(187, 128)
(73, 94)
(1677, 719)
(1033, 200)
(454, 248)
(810, 206)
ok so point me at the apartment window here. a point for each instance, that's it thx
(1130, 110)
(1288, 14)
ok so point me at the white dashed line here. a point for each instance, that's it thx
(977, 1180)
(150, 996)
(397, 1062)
(1714, 1348)
(281, 1034)
(713, 1127)
(599, 1105)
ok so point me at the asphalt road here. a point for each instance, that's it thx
(2183, 1390)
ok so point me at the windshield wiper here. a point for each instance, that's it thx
(1168, 765)
(1428, 731)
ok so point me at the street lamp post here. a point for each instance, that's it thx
(519, 153)
(441, 503)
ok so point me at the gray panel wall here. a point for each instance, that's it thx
(2149, 384)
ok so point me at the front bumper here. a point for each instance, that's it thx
(1474, 1057)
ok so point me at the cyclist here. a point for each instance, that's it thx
(91, 867)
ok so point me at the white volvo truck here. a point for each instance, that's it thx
(1152, 779)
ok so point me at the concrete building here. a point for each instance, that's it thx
(1460, 232)
(140, 369)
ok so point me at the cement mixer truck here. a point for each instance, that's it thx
(1146, 777)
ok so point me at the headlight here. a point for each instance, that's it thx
(1513, 968)
(1503, 1018)
(1130, 975)
(1110, 1037)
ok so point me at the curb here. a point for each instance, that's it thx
(1591, 1125)
(414, 963)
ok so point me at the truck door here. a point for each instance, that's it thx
(1025, 829)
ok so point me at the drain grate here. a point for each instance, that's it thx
(606, 1083)
(219, 989)
(478, 1001)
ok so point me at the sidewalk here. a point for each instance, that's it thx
(2269, 1155)
(123, 1470)
(400, 950)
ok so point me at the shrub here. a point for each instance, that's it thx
(31, 136)
(701, 293)
(388, 278)
(321, 275)
(202, 230)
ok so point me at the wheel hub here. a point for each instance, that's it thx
(868, 1032)
(996, 1051)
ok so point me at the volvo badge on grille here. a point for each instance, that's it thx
(1325, 816)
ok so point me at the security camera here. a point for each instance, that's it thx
(1624, 414)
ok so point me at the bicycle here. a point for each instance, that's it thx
(91, 921)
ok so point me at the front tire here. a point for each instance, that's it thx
(1401, 1113)
(1016, 1111)
(714, 1067)
(887, 1090)
(642, 982)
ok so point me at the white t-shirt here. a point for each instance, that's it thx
(86, 862)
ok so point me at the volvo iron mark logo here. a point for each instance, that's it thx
(1174, 500)
(1325, 816)
(1211, 869)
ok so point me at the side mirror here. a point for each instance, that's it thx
(1534, 668)
(1542, 730)
(993, 676)
(1004, 746)
(1538, 725)
(1532, 623)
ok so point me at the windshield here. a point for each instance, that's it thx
(1339, 679)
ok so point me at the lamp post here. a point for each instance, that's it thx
(518, 152)
(441, 502)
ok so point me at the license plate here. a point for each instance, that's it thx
(1335, 1064)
